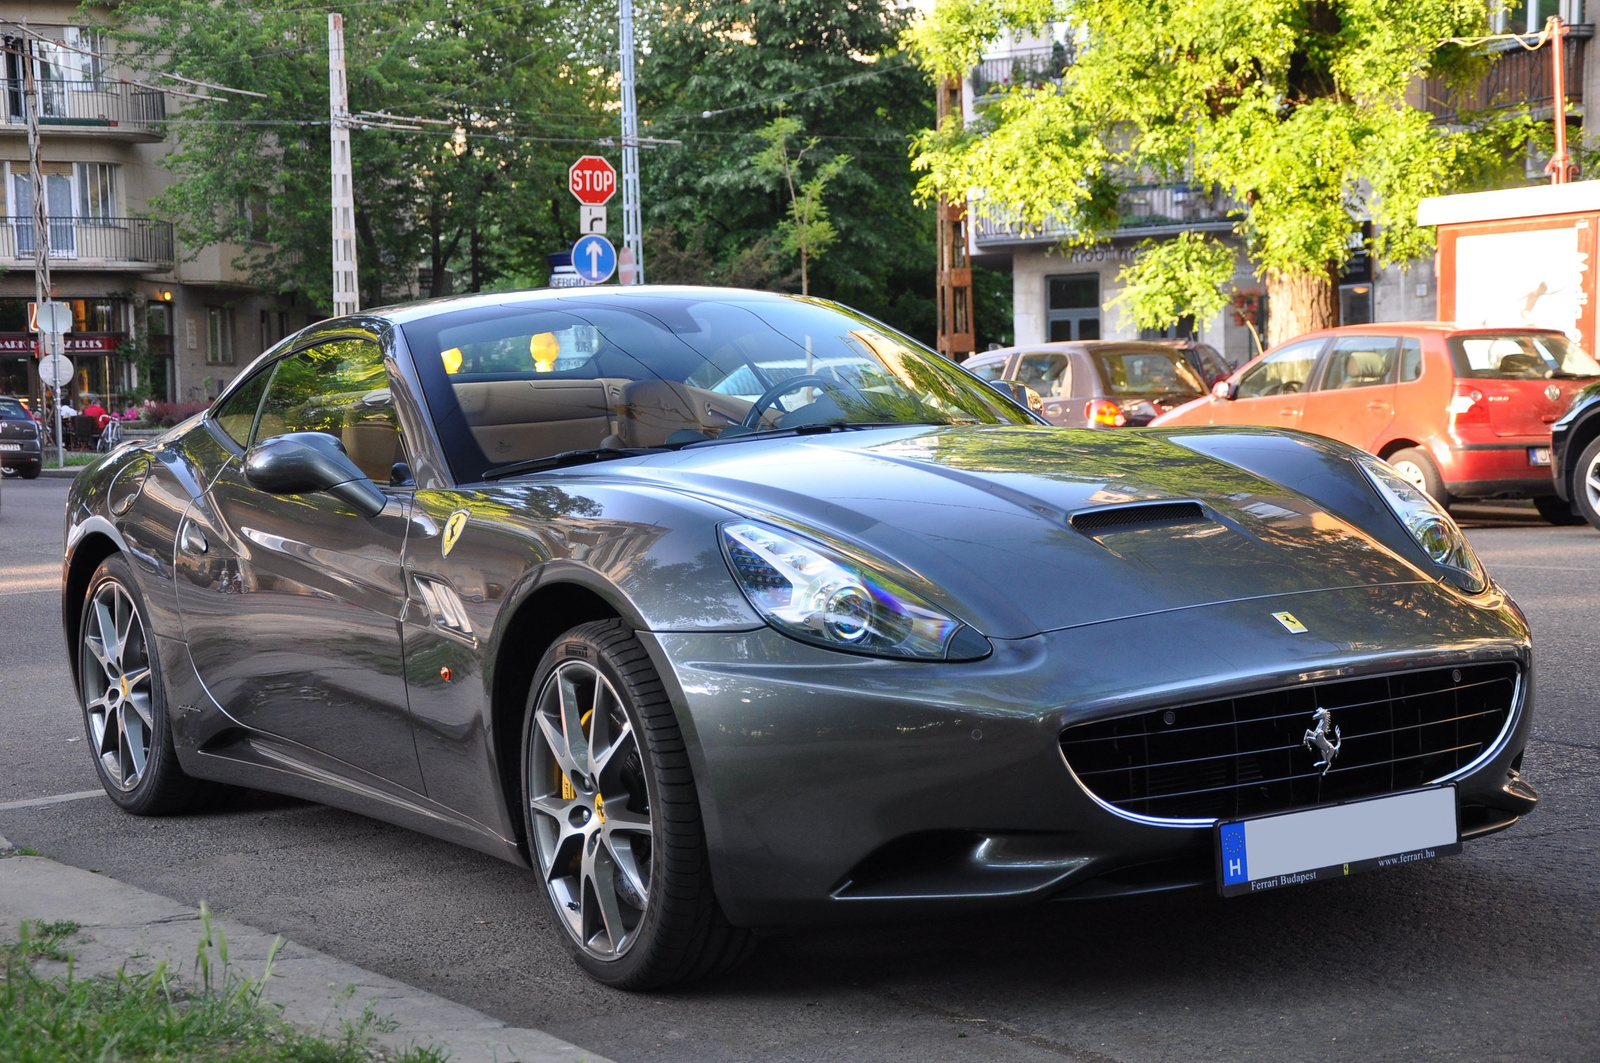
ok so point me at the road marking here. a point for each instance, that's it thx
(11, 590)
(58, 799)
(1545, 568)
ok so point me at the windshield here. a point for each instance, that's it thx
(1146, 371)
(1520, 356)
(520, 383)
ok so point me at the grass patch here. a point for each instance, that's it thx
(217, 1014)
(74, 457)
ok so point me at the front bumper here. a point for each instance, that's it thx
(835, 786)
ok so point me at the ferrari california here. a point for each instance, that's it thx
(726, 611)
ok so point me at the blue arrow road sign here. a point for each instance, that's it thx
(594, 259)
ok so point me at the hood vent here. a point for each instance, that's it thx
(1131, 514)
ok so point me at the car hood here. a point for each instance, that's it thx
(980, 520)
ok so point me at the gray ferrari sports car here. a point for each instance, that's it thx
(726, 611)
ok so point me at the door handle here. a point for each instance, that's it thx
(1377, 405)
(193, 540)
(1286, 413)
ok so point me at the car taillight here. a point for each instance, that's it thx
(1104, 412)
(1467, 406)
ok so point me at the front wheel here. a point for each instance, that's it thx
(1586, 483)
(124, 701)
(612, 818)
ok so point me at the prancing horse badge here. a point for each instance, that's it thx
(1290, 624)
(453, 529)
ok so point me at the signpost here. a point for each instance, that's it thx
(594, 259)
(54, 371)
(50, 319)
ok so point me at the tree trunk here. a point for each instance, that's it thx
(1298, 303)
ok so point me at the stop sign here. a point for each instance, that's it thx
(592, 179)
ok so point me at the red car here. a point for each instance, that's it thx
(1462, 413)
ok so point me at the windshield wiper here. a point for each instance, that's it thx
(569, 457)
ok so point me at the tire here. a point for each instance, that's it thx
(583, 818)
(1555, 511)
(124, 700)
(1586, 483)
(1415, 466)
(31, 472)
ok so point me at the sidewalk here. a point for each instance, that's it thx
(123, 924)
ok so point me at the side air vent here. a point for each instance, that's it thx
(1140, 513)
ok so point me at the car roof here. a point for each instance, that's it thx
(1084, 346)
(1441, 327)
(615, 295)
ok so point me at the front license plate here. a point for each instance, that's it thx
(1316, 844)
(10, 446)
(1538, 455)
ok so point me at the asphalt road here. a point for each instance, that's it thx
(1491, 955)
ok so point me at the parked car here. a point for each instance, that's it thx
(1204, 359)
(1461, 413)
(1097, 383)
(544, 574)
(1575, 454)
(21, 451)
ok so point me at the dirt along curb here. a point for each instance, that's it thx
(125, 925)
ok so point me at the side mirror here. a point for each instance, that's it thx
(1222, 390)
(301, 462)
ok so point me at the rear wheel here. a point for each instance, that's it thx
(124, 701)
(1586, 483)
(1417, 468)
(31, 472)
(612, 817)
(1555, 511)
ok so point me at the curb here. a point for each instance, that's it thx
(127, 926)
(62, 474)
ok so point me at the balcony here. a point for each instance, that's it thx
(1517, 77)
(1145, 210)
(106, 108)
(137, 244)
(1031, 68)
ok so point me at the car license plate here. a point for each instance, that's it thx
(1538, 455)
(10, 446)
(1317, 844)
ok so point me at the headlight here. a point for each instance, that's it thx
(1428, 524)
(813, 593)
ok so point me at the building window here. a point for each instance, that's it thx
(1073, 306)
(274, 327)
(97, 191)
(219, 335)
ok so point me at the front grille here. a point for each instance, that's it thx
(1246, 756)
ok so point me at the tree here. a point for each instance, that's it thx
(483, 201)
(1298, 110)
(807, 230)
(713, 74)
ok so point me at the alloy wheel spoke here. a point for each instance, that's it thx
(621, 854)
(606, 757)
(556, 741)
(138, 747)
(107, 626)
(577, 743)
(140, 703)
(602, 879)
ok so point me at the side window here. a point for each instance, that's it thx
(1359, 362)
(991, 371)
(340, 388)
(1048, 374)
(1282, 373)
(236, 415)
(1410, 361)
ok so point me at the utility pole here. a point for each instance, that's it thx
(1561, 165)
(953, 271)
(346, 295)
(41, 224)
(632, 221)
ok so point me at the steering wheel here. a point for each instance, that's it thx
(752, 420)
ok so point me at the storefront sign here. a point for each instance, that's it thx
(16, 343)
(91, 343)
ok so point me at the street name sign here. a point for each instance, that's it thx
(592, 180)
(594, 259)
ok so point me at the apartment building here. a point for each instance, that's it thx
(114, 260)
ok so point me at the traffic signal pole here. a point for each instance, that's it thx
(346, 294)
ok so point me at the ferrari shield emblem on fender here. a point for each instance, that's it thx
(1290, 624)
(453, 529)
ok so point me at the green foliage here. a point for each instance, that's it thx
(833, 67)
(253, 171)
(156, 1016)
(1171, 278)
(807, 230)
(1296, 109)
